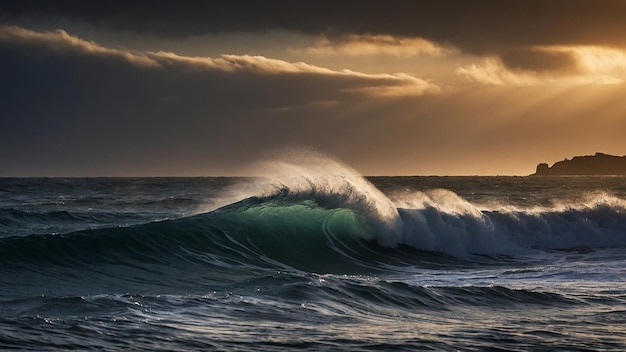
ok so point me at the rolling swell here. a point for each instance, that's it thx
(272, 233)
(15, 222)
(317, 231)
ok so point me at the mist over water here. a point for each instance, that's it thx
(311, 255)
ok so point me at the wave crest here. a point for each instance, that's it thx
(327, 182)
(462, 230)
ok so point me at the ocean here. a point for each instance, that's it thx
(313, 257)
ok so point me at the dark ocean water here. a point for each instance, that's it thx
(313, 258)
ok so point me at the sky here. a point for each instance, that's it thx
(206, 88)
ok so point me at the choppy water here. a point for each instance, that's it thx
(313, 257)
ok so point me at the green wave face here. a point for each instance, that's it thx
(275, 234)
(299, 234)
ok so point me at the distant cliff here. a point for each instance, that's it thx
(598, 164)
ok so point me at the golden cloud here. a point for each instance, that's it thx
(366, 45)
(62, 42)
(593, 65)
(378, 84)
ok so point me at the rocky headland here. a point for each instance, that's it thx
(598, 164)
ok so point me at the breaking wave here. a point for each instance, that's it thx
(324, 217)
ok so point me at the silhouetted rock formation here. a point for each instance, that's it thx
(598, 164)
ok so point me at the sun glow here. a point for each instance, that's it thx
(601, 61)
(594, 65)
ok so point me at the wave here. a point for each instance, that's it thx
(256, 233)
(19, 217)
(324, 217)
(16, 222)
(467, 231)
(283, 232)
(439, 220)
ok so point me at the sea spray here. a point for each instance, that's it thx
(462, 230)
(308, 175)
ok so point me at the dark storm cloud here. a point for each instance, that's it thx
(480, 27)
(71, 102)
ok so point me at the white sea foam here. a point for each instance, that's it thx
(439, 220)
(454, 226)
